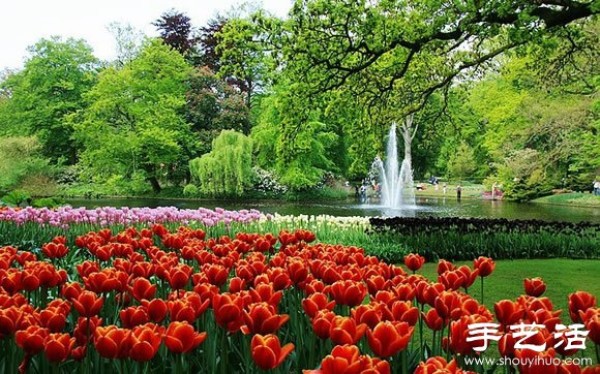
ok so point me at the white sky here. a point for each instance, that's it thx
(24, 22)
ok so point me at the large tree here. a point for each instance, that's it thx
(416, 48)
(176, 31)
(134, 124)
(51, 85)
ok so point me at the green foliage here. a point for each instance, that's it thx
(51, 86)
(212, 106)
(134, 124)
(15, 198)
(462, 164)
(21, 164)
(227, 169)
(190, 190)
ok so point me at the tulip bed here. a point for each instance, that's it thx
(153, 300)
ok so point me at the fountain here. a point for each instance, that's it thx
(397, 186)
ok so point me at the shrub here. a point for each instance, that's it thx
(190, 190)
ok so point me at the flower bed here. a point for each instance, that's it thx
(150, 300)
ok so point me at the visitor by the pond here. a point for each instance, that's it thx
(363, 193)
(458, 192)
(445, 188)
(597, 187)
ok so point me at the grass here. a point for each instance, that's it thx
(562, 277)
(468, 191)
(571, 199)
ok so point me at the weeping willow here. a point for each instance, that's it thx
(227, 169)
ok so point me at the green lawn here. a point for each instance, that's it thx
(562, 276)
(572, 199)
(468, 191)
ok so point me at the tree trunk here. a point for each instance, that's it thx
(408, 134)
(155, 184)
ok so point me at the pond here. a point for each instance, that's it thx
(426, 206)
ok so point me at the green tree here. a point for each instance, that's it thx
(134, 123)
(227, 169)
(462, 163)
(51, 86)
(213, 106)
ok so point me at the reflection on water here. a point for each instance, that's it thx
(425, 206)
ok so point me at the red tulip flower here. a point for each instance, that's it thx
(438, 364)
(88, 304)
(145, 341)
(181, 337)
(262, 318)
(346, 359)
(534, 286)
(444, 266)
(112, 342)
(58, 347)
(389, 338)
(316, 302)
(178, 277)
(508, 312)
(344, 330)
(157, 309)
(485, 265)
(133, 316)
(54, 250)
(71, 290)
(321, 324)
(31, 340)
(348, 292)
(228, 311)
(580, 301)
(414, 261)
(433, 320)
(141, 288)
(267, 351)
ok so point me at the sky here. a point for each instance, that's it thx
(24, 22)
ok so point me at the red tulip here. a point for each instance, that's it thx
(321, 323)
(438, 364)
(85, 329)
(54, 318)
(262, 318)
(346, 359)
(157, 309)
(444, 266)
(31, 340)
(414, 261)
(181, 337)
(112, 342)
(145, 341)
(316, 302)
(58, 347)
(71, 290)
(88, 304)
(452, 280)
(228, 311)
(348, 292)
(344, 330)
(179, 276)
(54, 250)
(580, 301)
(267, 351)
(433, 320)
(469, 275)
(403, 311)
(216, 274)
(389, 338)
(534, 286)
(485, 265)
(508, 312)
(448, 305)
(141, 288)
(133, 316)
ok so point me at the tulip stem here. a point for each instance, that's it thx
(597, 354)
(481, 290)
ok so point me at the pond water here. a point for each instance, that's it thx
(426, 206)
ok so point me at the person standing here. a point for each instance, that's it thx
(597, 187)
(445, 188)
(458, 192)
